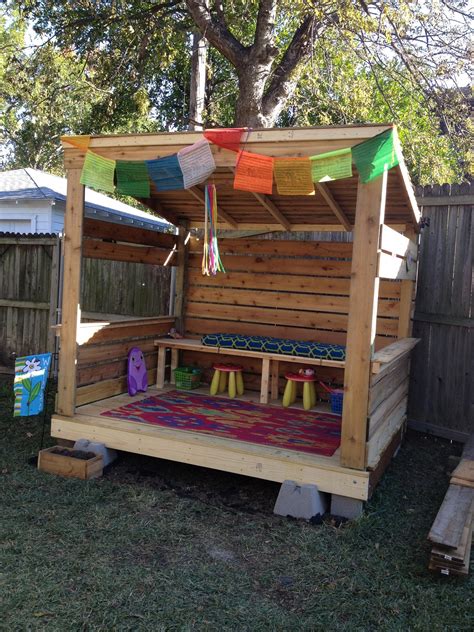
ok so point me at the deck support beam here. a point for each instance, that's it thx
(364, 291)
(71, 309)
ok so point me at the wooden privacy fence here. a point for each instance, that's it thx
(30, 292)
(441, 388)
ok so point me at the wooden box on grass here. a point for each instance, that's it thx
(49, 461)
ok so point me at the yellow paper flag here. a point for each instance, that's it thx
(293, 176)
(98, 172)
(80, 142)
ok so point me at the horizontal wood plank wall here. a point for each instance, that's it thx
(442, 378)
(289, 289)
(388, 401)
(102, 356)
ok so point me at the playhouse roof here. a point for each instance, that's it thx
(332, 207)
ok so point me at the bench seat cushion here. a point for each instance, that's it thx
(303, 349)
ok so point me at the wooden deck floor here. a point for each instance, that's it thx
(261, 461)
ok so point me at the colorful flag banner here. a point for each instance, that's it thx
(80, 142)
(197, 163)
(166, 173)
(333, 165)
(31, 376)
(374, 156)
(132, 178)
(227, 137)
(254, 172)
(98, 172)
(293, 176)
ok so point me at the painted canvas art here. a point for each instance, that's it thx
(31, 376)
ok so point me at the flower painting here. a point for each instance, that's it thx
(31, 375)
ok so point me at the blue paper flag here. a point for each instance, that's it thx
(166, 173)
(31, 375)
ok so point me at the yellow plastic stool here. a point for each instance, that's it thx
(219, 379)
(309, 392)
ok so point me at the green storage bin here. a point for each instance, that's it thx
(187, 377)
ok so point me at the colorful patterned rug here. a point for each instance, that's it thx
(313, 432)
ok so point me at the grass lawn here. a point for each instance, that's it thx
(155, 546)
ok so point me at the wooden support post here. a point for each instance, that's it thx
(71, 309)
(370, 210)
(180, 279)
(265, 380)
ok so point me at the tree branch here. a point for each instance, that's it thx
(215, 31)
(282, 82)
(264, 44)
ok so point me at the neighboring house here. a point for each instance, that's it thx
(33, 201)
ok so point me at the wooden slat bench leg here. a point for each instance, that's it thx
(275, 376)
(160, 372)
(174, 364)
(265, 380)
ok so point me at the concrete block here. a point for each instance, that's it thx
(346, 507)
(300, 501)
(108, 455)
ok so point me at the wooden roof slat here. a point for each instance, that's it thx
(273, 210)
(333, 205)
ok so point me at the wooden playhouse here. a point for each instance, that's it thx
(355, 293)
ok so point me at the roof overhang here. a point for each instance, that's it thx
(331, 208)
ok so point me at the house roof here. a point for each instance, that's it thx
(32, 184)
(332, 207)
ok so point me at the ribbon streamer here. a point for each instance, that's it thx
(211, 260)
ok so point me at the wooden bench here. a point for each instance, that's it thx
(270, 362)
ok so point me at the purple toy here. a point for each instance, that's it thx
(137, 379)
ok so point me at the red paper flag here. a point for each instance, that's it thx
(228, 138)
(254, 172)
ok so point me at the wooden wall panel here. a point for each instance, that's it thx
(289, 289)
(102, 357)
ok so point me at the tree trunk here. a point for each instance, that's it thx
(248, 108)
(198, 82)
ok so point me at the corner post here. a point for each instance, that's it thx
(364, 292)
(180, 278)
(71, 309)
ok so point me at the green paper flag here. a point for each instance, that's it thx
(374, 156)
(332, 165)
(98, 172)
(132, 178)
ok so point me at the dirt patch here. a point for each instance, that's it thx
(75, 454)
